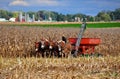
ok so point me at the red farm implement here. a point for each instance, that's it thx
(87, 45)
(83, 45)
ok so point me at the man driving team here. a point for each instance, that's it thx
(64, 39)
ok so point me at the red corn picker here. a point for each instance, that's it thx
(84, 46)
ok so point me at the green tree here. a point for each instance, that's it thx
(5, 14)
(116, 14)
(15, 14)
(69, 17)
(90, 18)
(103, 16)
(61, 17)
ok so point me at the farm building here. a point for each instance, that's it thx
(12, 19)
(2, 20)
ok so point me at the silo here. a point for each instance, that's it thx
(20, 17)
(25, 17)
(28, 19)
(33, 18)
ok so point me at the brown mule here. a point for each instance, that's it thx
(42, 47)
(53, 49)
(66, 48)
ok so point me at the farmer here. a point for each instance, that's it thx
(64, 39)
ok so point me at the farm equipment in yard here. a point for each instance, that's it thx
(83, 46)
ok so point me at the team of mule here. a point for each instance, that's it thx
(50, 48)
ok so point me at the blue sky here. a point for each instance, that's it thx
(88, 7)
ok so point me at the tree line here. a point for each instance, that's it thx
(44, 15)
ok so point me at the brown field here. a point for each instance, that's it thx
(18, 42)
(54, 68)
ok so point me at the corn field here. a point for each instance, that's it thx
(17, 47)
(54, 68)
(19, 41)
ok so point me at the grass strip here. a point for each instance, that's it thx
(62, 25)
